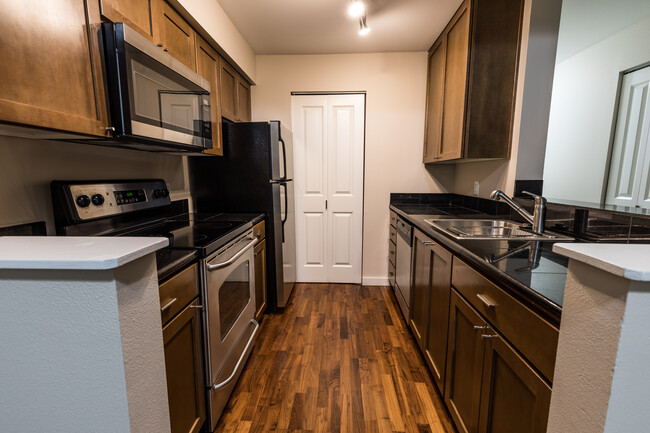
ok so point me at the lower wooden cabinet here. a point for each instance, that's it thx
(183, 363)
(260, 279)
(514, 398)
(490, 387)
(464, 364)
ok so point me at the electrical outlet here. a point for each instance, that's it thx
(476, 186)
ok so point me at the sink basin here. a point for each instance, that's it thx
(491, 229)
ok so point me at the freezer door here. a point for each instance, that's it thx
(281, 147)
(288, 242)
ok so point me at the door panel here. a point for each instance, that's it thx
(178, 37)
(455, 88)
(328, 154)
(628, 183)
(207, 65)
(435, 98)
(142, 16)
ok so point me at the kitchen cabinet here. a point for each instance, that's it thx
(207, 65)
(430, 312)
(234, 93)
(177, 37)
(465, 364)
(45, 44)
(471, 82)
(141, 16)
(260, 270)
(392, 248)
(181, 317)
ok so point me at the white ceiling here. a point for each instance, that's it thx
(324, 27)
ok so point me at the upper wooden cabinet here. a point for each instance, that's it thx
(141, 15)
(177, 37)
(207, 65)
(472, 79)
(51, 74)
(234, 92)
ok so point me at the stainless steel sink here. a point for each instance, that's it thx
(491, 229)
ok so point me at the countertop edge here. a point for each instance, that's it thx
(141, 247)
(538, 303)
(609, 257)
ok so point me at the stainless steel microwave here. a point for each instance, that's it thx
(155, 101)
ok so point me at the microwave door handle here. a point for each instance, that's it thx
(284, 160)
(234, 258)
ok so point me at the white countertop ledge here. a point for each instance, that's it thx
(631, 261)
(71, 252)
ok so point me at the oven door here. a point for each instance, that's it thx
(229, 291)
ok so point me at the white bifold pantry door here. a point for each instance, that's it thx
(328, 156)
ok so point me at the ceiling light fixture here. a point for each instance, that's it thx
(357, 8)
(363, 27)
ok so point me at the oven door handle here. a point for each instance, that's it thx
(218, 386)
(234, 258)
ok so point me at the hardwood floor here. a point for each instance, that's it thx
(340, 359)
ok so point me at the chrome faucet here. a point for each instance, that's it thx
(537, 219)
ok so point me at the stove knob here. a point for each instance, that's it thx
(157, 193)
(83, 201)
(98, 199)
(165, 192)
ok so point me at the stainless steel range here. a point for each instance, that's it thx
(221, 243)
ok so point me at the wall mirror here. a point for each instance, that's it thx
(598, 145)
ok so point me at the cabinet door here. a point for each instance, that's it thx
(514, 398)
(464, 368)
(435, 98)
(421, 286)
(228, 90)
(207, 65)
(44, 45)
(140, 15)
(183, 363)
(243, 100)
(453, 118)
(177, 37)
(440, 292)
(260, 279)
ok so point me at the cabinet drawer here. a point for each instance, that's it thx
(393, 234)
(534, 337)
(177, 292)
(259, 231)
(393, 219)
(391, 253)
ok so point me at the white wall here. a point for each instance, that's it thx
(395, 85)
(209, 15)
(28, 166)
(582, 113)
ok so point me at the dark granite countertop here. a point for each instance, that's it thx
(529, 271)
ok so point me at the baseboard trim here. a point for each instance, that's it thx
(376, 281)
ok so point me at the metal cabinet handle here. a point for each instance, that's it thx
(241, 358)
(489, 303)
(165, 49)
(159, 45)
(168, 304)
(427, 243)
(198, 307)
(479, 328)
(234, 258)
(485, 336)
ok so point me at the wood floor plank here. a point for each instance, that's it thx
(339, 359)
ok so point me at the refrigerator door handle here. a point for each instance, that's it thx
(286, 207)
(284, 160)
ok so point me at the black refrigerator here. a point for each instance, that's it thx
(255, 175)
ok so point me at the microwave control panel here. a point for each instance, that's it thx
(98, 200)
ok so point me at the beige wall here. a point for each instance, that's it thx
(28, 166)
(209, 15)
(395, 86)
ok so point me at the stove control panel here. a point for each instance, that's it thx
(95, 200)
